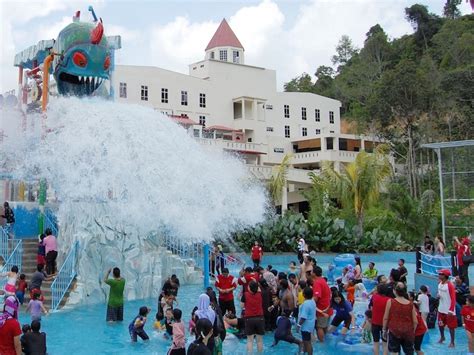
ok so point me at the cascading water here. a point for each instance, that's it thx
(124, 175)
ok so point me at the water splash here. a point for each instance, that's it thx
(144, 167)
(124, 175)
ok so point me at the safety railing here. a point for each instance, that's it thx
(4, 244)
(431, 264)
(233, 262)
(51, 223)
(184, 249)
(14, 259)
(64, 278)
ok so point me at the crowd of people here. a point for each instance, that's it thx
(27, 339)
(298, 305)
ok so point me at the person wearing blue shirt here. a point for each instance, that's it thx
(343, 311)
(307, 319)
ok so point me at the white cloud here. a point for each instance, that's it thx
(180, 42)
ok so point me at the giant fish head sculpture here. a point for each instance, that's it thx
(83, 59)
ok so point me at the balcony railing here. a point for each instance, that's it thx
(232, 145)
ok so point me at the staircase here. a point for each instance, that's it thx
(30, 250)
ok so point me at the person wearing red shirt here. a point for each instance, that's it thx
(10, 330)
(378, 303)
(226, 284)
(463, 248)
(254, 320)
(322, 297)
(246, 276)
(467, 313)
(257, 254)
(21, 289)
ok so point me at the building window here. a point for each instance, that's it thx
(317, 115)
(331, 117)
(212, 55)
(287, 131)
(144, 93)
(269, 107)
(202, 100)
(223, 55)
(123, 90)
(318, 131)
(164, 95)
(286, 109)
(184, 98)
(236, 57)
(202, 121)
(304, 131)
(269, 129)
(303, 113)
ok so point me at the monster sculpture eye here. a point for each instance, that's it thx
(79, 59)
(107, 63)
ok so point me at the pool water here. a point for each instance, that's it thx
(84, 331)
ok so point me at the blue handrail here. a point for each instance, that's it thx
(50, 222)
(185, 250)
(4, 244)
(15, 258)
(64, 278)
(431, 264)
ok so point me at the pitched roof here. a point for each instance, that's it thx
(224, 37)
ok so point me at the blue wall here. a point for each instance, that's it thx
(26, 219)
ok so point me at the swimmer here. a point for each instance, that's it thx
(136, 327)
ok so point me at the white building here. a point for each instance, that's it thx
(226, 102)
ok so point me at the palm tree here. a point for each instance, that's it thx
(277, 181)
(358, 184)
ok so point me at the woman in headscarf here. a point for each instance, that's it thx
(10, 330)
(205, 311)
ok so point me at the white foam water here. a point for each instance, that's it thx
(124, 172)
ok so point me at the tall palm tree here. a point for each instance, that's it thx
(358, 184)
(277, 181)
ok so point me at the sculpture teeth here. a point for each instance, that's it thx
(80, 78)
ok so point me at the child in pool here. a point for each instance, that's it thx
(35, 307)
(22, 286)
(367, 327)
(10, 286)
(136, 327)
(350, 289)
(283, 331)
(179, 340)
(192, 323)
(168, 323)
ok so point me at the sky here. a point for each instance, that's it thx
(289, 36)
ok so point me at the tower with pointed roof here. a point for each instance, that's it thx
(225, 46)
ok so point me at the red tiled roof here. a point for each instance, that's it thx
(183, 120)
(224, 37)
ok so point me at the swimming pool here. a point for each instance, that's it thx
(84, 331)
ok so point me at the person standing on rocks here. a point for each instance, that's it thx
(115, 303)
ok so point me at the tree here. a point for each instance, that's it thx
(426, 25)
(324, 81)
(451, 9)
(277, 181)
(358, 185)
(345, 50)
(302, 83)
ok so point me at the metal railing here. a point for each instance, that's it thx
(50, 222)
(233, 262)
(15, 258)
(185, 250)
(431, 264)
(4, 244)
(64, 278)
